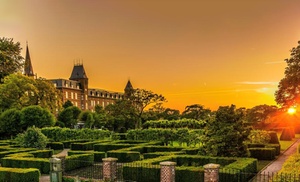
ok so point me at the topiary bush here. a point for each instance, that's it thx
(32, 138)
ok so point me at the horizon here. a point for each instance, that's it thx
(194, 52)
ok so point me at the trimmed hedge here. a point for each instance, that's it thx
(85, 146)
(42, 164)
(273, 137)
(55, 145)
(124, 156)
(141, 172)
(42, 153)
(151, 149)
(158, 154)
(78, 161)
(19, 175)
(98, 156)
(263, 153)
(14, 151)
(104, 147)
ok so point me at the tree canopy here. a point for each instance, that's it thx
(11, 60)
(20, 91)
(288, 93)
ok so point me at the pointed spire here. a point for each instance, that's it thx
(28, 70)
(128, 86)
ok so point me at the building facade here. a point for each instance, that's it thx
(76, 88)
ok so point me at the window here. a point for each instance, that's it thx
(66, 95)
(72, 95)
(75, 95)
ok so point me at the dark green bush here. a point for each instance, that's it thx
(78, 161)
(141, 172)
(263, 153)
(287, 134)
(98, 156)
(273, 137)
(55, 145)
(151, 149)
(275, 146)
(19, 175)
(124, 156)
(42, 153)
(84, 146)
(104, 147)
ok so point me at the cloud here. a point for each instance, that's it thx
(274, 62)
(257, 83)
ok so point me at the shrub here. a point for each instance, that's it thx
(32, 138)
(19, 175)
(55, 145)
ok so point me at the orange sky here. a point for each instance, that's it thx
(208, 52)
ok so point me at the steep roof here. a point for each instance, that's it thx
(28, 70)
(128, 86)
(78, 72)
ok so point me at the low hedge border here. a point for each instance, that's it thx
(19, 174)
(19, 162)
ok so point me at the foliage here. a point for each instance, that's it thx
(36, 116)
(181, 123)
(226, 134)
(69, 116)
(10, 123)
(67, 104)
(47, 96)
(58, 134)
(11, 60)
(21, 91)
(287, 94)
(183, 135)
(120, 115)
(197, 112)
(17, 91)
(260, 113)
(88, 118)
(259, 137)
(32, 138)
(141, 99)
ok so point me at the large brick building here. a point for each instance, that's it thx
(76, 88)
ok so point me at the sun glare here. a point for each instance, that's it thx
(292, 110)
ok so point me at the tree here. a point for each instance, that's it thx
(36, 116)
(17, 91)
(67, 104)
(47, 95)
(69, 116)
(120, 115)
(196, 111)
(32, 138)
(225, 135)
(11, 60)
(88, 118)
(261, 113)
(21, 91)
(141, 99)
(10, 123)
(288, 93)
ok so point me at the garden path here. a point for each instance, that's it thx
(46, 177)
(276, 165)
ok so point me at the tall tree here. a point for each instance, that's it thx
(141, 99)
(225, 135)
(69, 116)
(11, 60)
(260, 113)
(196, 111)
(20, 91)
(288, 93)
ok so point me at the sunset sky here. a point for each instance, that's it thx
(208, 52)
